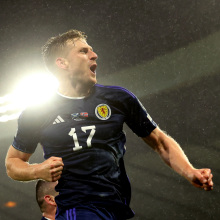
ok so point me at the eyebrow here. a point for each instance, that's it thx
(84, 47)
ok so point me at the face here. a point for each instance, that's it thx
(81, 63)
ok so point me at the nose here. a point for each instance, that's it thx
(93, 55)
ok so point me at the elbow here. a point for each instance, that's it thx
(9, 174)
(7, 166)
(9, 169)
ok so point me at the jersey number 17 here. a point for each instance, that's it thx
(84, 129)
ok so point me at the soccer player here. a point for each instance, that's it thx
(45, 196)
(81, 131)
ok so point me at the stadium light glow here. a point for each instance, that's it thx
(32, 90)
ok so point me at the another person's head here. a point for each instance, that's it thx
(45, 196)
(68, 56)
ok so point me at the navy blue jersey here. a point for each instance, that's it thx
(88, 134)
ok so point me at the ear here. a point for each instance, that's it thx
(50, 200)
(61, 63)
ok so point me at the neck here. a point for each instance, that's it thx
(49, 216)
(50, 212)
(77, 90)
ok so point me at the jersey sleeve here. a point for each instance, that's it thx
(27, 135)
(138, 119)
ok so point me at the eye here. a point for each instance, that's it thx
(84, 50)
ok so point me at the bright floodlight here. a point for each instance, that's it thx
(34, 89)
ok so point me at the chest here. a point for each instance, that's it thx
(82, 123)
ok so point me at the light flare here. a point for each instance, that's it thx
(32, 90)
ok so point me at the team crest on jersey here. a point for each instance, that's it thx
(79, 116)
(103, 111)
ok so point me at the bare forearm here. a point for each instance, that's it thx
(170, 152)
(174, 156)
(19, 170)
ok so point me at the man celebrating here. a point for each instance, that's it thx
(45, 196)
(81, 131)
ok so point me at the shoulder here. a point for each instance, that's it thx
(116, 91)
(34, 112)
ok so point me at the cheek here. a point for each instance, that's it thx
(75, 66)
(79, 65)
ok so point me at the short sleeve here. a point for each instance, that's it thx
(27, 135)
(138, 118)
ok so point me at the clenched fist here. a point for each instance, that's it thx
(202, 178)
(50, 170)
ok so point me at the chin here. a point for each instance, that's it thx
(91, 82)
(94, 80)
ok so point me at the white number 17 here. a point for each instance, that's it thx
(84, 129)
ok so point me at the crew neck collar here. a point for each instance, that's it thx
(68, 97)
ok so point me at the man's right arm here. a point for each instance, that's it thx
(18, 168)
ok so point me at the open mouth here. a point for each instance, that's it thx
(93, 67)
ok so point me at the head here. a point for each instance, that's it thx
(45, 196)
(68, 56)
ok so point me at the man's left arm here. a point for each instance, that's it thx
(172, 154)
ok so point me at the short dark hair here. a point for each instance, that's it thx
(44, 188)
(55, 46)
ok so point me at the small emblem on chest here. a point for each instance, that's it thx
(79, 116)
(103, 111)
(58, 120)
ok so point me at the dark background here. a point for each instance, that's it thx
(167, 53)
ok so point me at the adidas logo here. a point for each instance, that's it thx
(58, 120)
